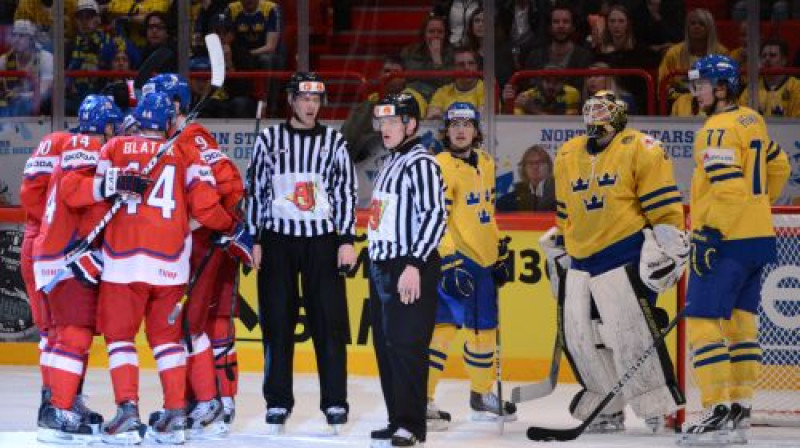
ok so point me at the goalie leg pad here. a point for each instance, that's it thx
(630, 328)
(590, 363)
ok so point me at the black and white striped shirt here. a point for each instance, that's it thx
(407, 213)
(302, 183)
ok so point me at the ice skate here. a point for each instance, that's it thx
(206, 419)
(710, 428)
(88, 416)
(336, 416)
(382, 438)
(739, 424)
(125, 428)
(228, 412)
(63, 427)
(276, 420)
(43, 405)
(486, 407)
(168, 426)
(437, 420)
(402, 437)
(607, 423)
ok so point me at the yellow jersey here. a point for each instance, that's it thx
(606, 197)
(739, 171)
(449, 94)
(779, 101)
(470, 198)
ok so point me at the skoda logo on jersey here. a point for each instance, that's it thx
(303, 196)
(606, 180)
(596, 203)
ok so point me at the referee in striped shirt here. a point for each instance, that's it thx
(302, 216)
(407, 221)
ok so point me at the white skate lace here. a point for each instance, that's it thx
(72, 419)
(336, 410)
(202, 409)
(277, 411)
(491, 402)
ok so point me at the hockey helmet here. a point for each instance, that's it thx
(462, 111)
(397, 104)
(604, 114)
(95, 112)
(715, 68)
(174, 85)
(306, 82)
(155, 112)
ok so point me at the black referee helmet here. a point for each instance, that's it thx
(306, 82)
(401, 104)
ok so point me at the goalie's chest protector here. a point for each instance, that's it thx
(597, 193)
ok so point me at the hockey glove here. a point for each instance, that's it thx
(705, 243)
(239, 244)
(657, 269)
(552, 243)
(126, 183)
(502, 270)
(457, 282)
(87, 268)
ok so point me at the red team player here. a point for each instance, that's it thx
(211, 304)
(72, 301)
(33, 196)
(146, 254)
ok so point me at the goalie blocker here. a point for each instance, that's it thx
(608, 322)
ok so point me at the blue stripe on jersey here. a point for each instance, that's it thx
(719, 166)
(658, 204)
(722, 177)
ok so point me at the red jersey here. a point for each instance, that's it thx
(226, 175)
(65, 218)
(36, 177)
(149, 240)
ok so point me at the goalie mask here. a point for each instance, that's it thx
(604, 115)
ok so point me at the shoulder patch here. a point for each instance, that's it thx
(719, 156)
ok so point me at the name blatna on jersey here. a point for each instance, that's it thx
(144, 147)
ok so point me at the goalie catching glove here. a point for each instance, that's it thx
(88, 267)
(552, 243)
(665, 253)
(457, 282)
(238, 244)
(123, 182)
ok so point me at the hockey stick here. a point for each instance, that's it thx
(545, 387)
(217, 79)
(173, 316)
(549, 434)
(501, 418)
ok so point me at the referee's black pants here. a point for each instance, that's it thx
(401, 335)
(314, 261)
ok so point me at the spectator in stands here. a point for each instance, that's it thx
(218, 106)
(700, 39)
(524, 24)
(739, 54)
(92, 49)
(204, 16)
(432, 52)
(774, 10)
(362, 139)
(685, 105)
(476, 32)
(596, 83)
(157, 37)
(457, 13)
(618, 47)
(550, 96)
(39, 12)
(256, 29)
(659, 23)
(130, 17)
(536, 192)
(778, 95)
(20, 97)
(462, 89)
(560, 51)
(125, 58)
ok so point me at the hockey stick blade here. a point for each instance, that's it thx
(543, 388)
(217, 58)
(540, 434)
(151, 65)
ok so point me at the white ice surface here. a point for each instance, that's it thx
(19, 390)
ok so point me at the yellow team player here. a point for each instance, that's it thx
(619, 221)
(474, 264)
(739, 172)
(778, 95)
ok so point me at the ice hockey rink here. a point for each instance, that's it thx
(19, 389)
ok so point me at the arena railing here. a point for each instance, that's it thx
(434, 74)
(664, 83)
(522, 75)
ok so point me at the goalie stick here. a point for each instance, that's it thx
(217, 79)
(549, 434)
